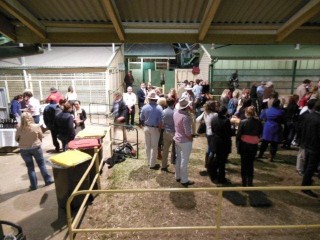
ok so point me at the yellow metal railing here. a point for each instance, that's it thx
(217, 228)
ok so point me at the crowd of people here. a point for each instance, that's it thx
(62, 115)
(257, 117)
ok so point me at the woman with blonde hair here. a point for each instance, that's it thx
(29, 137)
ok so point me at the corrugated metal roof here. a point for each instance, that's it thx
(134, 21)
(60, 57)
(263, 51)
(149, 50)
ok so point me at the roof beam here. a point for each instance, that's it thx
(304, 14)
(24, 16)
(207, 18)
(7, 28)
(115, 19)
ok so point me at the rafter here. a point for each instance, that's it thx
(111, 11)
(213, 6)
(7, 28)
(304, 14)
(24, 16)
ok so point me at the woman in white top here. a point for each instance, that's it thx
(71, 95)
(210, 111)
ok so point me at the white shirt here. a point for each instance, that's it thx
(34, 106)
(71, 96)
(130, 99)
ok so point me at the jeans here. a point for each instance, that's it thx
(36, 153)
(182, 161)
(36, 119)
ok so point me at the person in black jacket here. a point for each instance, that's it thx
(221, 146)
(141, 95)
(64, 123)
(119, 112)
(248, 136)
(49, 115)
(310, 141)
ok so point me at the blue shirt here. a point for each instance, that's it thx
(151, 114)
(167, 120)
(15, 108)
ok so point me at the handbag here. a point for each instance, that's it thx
(202, 128)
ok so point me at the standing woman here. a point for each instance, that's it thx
(272, 129)
(15, 107)
(80, 116)
(64, 125)
(248, 136)
(29, 137)
(71, 95)
(210, 111)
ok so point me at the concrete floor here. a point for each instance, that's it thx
(37, 212)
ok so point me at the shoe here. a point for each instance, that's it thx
(155, 167)
(49, 183)
(188, 183)
(300, 173)
(224, 181)
(165, 169)
(32, 189)
(310, 193)
(178, 180)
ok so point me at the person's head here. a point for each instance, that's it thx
(211, 106)
(70, 89)
(311, 103)
(53, 101)
(293, 99)
(76, 104)
(198, 81)
(143, 85)
(18, 98)
(317, 105)
(236, 94)
(183, 104)
(117, 96)
(129, 89)
(27, 95)
(162, 102)
(250, 112)
(314, 89)
(185, 82)
(152, 96)
(26, 120)
(170, 102)
(223, 111)
(306, 81)
(276, 103)
(246, 103)
(173, 92)
(159, 91)
(53, 90)
(67, 107)
(62, 102)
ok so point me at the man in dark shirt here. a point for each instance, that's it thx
(49, 115)
(310, 141)
(128, 80)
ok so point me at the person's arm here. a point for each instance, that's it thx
(84, 114)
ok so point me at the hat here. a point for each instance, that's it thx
(53, 90)
(269, 84)
(183, 103)
(188, 88)
(152, 95)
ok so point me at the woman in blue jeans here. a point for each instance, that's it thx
(29, 137)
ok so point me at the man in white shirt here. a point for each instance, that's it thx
(130, 100)
(32, 105)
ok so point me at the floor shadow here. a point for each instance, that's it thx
(259, 199)
(236, 198)
(183, 200)
(6, 196)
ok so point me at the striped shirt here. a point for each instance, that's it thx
(183, 126)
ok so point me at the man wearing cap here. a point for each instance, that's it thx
(54, 95)
(183, 139)
(151, 114)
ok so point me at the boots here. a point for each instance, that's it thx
(271, 158)
(244, 182)
(250, 182)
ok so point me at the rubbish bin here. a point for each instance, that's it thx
(88, 145)
(68, 168)
(17, 233)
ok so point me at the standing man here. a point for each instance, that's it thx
(32, 106)
(119, 111)
(151, 114)
(49, 115)
(168, 134)
(197, 91)
(310, 141)
(181, 88)
(130, 100)
(141, 94)
(303, 88)
(54, 95)
(128, 80)
(183, 139)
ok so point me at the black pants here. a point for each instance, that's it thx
(312, 161)
(247, 152)
(54, 136)
(140, 121)
(273, 147)
(217, 166)
(130, 116)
